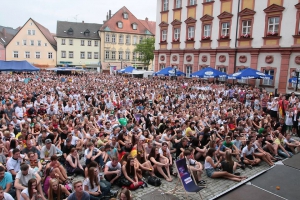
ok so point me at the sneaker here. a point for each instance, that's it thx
(250, 166)
(202, 182)
(243, 167)
(277, 157)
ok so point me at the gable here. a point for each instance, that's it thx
(163, 24)
(206, 18)
(247, 12)
(225, 15)
(274, 8)
(190, 20)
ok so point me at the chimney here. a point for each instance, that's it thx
(4, 32)
(146, 19)
(83, 22)
(106, 16)
(109, 14)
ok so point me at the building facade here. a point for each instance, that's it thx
(230, 35)
(119, 36)
(33, 43)
(6, 34)
(78, 44)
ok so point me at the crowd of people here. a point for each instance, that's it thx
(127, 129)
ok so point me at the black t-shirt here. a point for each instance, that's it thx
(67, 149)
(226, 166)
(26, 150)
(179, 146)
(1, 113)
(102, 105)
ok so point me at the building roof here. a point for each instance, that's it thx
(5, 37)
(143, 26)
(77, 30)
(9, 30)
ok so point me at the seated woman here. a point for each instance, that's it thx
(91, 184)
(124, 194)
(56, 165)
(73, 165)
(34, 163)
(130, 173)
(210, 166)
(228, 164)
(158, 162)
(198, 150)
(194, 167)
(57, 191)
(247, 155)
(31, 192)
(109, 152)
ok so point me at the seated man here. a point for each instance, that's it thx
(48, 150)
(281, 146)
(67, 148)
(112, 170)
(75, 141)
(229, 146)
(30, 148)
(13, 164)
(93, 154)
(291, 144)
(194, 167)
(4, 195)
(34, 163)
(6, 182)
(22, 178)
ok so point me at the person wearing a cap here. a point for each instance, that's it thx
(48, 150)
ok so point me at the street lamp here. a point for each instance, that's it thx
(175, 70)
(121, 63)
(297, 75)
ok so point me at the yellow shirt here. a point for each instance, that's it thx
(277, 141)
(188, 130)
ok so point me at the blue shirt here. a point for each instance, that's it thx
(85, 195)
(6, 179)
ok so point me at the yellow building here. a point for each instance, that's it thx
(78, 44)
(119, 35)
(33, 43)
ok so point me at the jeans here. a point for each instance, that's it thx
(99, 160)
(283, 154)
(95, 197)
(105, 187)
(58, 151)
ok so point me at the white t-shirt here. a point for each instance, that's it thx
(8, 196)
(112, 168)
(13, 164)
(25, 191)
(247, 151)
(23, 180)
(86, 182)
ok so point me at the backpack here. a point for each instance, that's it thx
(153, 180)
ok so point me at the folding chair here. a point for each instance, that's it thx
(188, 185)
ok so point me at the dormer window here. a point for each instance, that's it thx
(125, 15)
(120, 25)
(134, 26)
(70, 31)
(86, 33)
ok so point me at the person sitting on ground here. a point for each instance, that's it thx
(4, 195)
(67, 149)
(34, 163)
(30, 148)
(281, 146)
(124, 194)
(229, 146)
(210, 166)
(31, 192)
(259, 151)
(229, 165)
(93, 154)
(112, 170)
(73, 165)
(91, 184)
(6, 182)
(247, 155)
(78, 193)
(57, 191)
(48, 150)
(194, 167)
(291, 144)
(130, 173)
(13, 164)
(56, 165)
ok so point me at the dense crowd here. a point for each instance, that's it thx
(115, 130)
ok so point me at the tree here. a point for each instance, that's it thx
(146, 49)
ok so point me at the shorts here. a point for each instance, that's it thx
(210, 172)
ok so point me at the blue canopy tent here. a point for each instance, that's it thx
(126, 70)
(169, 71)
(17, 66)
(209, 72)
(249, 73)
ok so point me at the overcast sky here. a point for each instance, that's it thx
(15, 13)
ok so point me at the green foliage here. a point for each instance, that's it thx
(146, 48)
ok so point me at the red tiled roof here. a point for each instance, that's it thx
(150, 25)
(127, 23)
(48, 35)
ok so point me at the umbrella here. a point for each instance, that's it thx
(294, 80)
(209, 72)
(126, 70)
(249, 73)
(169, 71)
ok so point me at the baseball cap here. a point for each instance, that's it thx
(47, 141)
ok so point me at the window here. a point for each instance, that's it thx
(46, 44)
(273, 24)
(134, 26)
(96, 43)
(206, 30)
(193, 2)
(176, 33)
(246, 27)
(106, 54)
(189, 71)
(50, 55)
(127, 56)
(89, 43)
(225, 29)
(164, 35)
(63, 41)
(125, 15)
(121, 39)
(209, 0)
(133, 56)
(177, 3)
(29, 32)
(32, 42)
(33, 32)
(107, 38)
(268, 81)
(120, 55)
(165, 5)
(82, 42)
(24, 42)
(63, 54)
(89, 55)
(134, 40)
(113, 38)
(37, 55)
(127, 39)
(71, 54)
(18, 43)
(82, 54)
(141, 39)
(120, 25)
(27, 54)
(70, 42)
(70, 31)
(16, 54)
(113, 55)
(191, 32)
(39, 43)
(222, 69)
(96, 55)
(140, 56)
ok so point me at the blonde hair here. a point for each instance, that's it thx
(50, 191)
